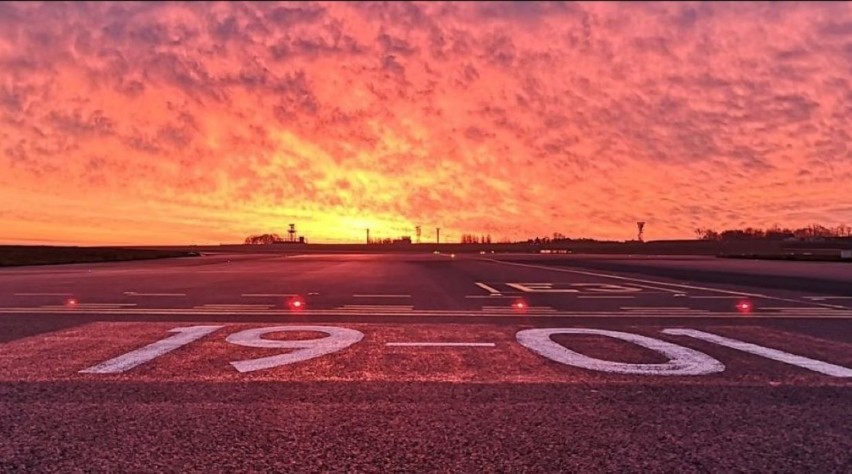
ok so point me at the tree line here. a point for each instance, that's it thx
(263, 239)
(473, 239)
(775, 233)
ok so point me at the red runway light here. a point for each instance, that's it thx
(519, 305)
(744, 307)
(71, 302)
(296, 303)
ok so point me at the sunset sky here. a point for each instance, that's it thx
(151, 123)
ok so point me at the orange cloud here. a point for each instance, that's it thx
(176, 123)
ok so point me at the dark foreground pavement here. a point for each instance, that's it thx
(417, 427)
(384, 402)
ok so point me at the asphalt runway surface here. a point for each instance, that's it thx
(426, 363)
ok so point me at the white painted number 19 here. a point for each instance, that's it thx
(337, 339)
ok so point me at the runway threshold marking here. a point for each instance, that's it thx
(440, 344)
(677, 285)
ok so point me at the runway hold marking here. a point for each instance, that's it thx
(440, 344)
(338, 339)
(682, 360)
(773, 354)
(132, 359)
(487, 288)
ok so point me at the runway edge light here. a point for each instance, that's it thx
(296, 303)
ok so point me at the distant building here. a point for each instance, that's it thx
(402, 240)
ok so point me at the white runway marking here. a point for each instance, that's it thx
(540, 288)
(268, 295)
(677, 285)
(792, 308)
(656, 308)
(440, 344)
(718, 297)
(681, 360)
(491, 296)
(132, 359)
(487, 288)
(381, 296)
(617, 277)
(338, 338)
(43, 294)
(234, 307)
(133, 293)
(774, 354)
(603, 297)
(91, 306)
(408, 312)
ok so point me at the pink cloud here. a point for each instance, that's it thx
(211, 121)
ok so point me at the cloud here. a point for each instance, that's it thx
(511, 118)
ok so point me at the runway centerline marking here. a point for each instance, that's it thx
(440, 344)
(677, 285)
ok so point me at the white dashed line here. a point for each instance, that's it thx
(267, 295)
(440, 344)
(597, 297)
(381, 296)
(133, 293)
(42, 294)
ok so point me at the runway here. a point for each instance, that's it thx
(412, 362)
